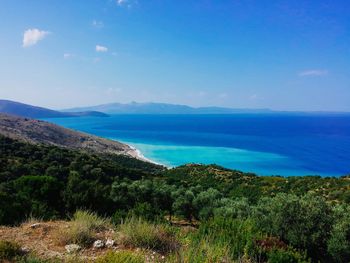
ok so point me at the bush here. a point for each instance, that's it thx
(303, 222)
(202, 251)
(42, 194)
(206, 202)
(145, 211)
(286, 256)
(220, 240)
(9, 250)
(34, 259)
(119, 216)
(139, 233)
(121, 257)
(83, 228)
(339, 241)
(236, 235)
(229, 208)
(91, 220)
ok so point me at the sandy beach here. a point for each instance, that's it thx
(135, 153)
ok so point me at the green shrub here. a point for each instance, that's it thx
(139, 233)
(34, 259)
(233, 208)
(303, 222)
(121, 257)
(286, 256)
(91, 220)
(339, 241)
(42, 194)
(83, 228)
(202, 251)
(119, 216)
(220, 240)
(145, 211)
(206, 202)
(9, 250)
(236, 235)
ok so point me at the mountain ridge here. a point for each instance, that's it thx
(167, 108)
(162, 108)
(30, 111)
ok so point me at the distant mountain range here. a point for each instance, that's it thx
(29, 111)
(162, 108)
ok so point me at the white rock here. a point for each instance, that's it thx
(25, 250)
(36, 225)
(109, 242)
(98, 244)
(72, 248)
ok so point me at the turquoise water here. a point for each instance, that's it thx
(244, 160)
(263, 144)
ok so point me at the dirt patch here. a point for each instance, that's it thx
(41, 239)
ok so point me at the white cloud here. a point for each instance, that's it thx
(313, 72)
(68, 55)
(97, 24)
(121, 2)
(101, 48)
(33, 36)
(254, 97)
(127, 3)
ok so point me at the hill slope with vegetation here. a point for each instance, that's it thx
(191, 213)
(41, 132)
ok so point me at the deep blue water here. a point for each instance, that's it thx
(265, 144)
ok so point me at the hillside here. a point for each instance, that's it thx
(41, 132)
(192, 213)
(29, 111)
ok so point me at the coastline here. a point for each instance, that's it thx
(242, 157)
(136, 153)
(257, 152)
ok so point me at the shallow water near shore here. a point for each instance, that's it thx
(271, 144)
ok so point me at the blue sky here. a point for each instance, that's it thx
(283, 55)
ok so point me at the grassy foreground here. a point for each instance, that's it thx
(137, 240)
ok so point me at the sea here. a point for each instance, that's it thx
(264, 144)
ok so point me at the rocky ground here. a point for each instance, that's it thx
(42, 239)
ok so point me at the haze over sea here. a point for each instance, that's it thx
(265, 144)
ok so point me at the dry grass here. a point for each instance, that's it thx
(83, 228)
(43, 246)
(30, 220)
(141, 234)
